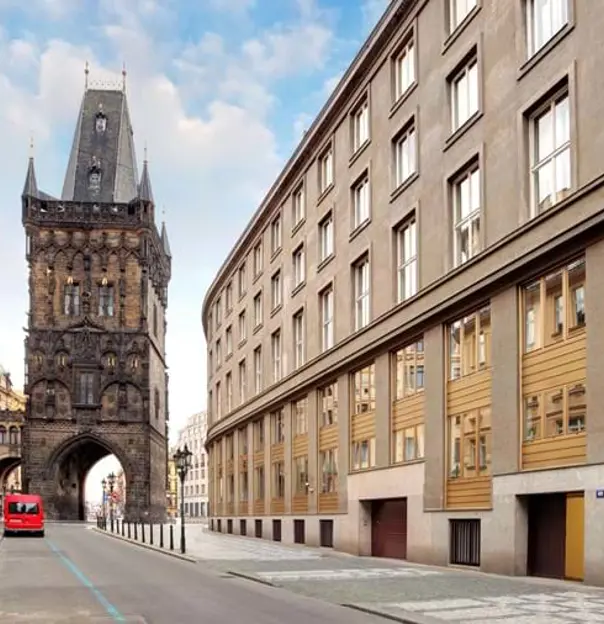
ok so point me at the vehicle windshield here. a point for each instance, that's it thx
(23, 508)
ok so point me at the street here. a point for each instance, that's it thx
(77, 575)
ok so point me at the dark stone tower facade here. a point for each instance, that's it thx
(99, 270)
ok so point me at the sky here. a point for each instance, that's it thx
(220, 92)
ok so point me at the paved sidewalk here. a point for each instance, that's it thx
(403, 591)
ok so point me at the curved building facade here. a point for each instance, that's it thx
(404, 345)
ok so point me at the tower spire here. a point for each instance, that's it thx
(124, 74)
(86, 74)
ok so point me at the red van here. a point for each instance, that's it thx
(23, 513)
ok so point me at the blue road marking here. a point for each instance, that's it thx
(109, 608)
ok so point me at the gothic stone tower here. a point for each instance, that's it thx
(95, 348)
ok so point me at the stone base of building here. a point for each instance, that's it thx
(545, 523)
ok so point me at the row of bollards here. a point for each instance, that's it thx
(130, 530)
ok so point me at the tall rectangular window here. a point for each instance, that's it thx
(405, 155)
(85, 388)
(409, 370)
(278, 480)
(404, 69)
(276, 355)
(326, 170)
(257, 369)
(298, 327)
(298, 205)
(258, 310)
(470, 344)
(276, 234)
(300, 476)
(228, 336)
(218, 353)
(106, 300)
(361, 202)
(258, 258)
(242, 327)
(470, 444)
(466, 215)
(458, 11)
(326, 241)
(277, 427)
(242, 381)
(300, 417)
(464, 95)
(218, 312)
(406, 260)
(276, 290)
(71, 299)
(328, 465)
(364, 390)
(218, 401)
(545, 18)
(229, 297)
(362, 294)
(551, 160)
(360, 126)
(229, 392)
(241, 281)
(299, 266)
(328, 405)
(326, 301)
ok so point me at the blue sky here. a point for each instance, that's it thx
(219, 90)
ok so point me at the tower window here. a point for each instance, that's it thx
(106, 300)
(85, 388)
(101, 123)
(71, 299)
(94, 180)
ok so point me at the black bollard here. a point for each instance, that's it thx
(112, 527)
(135, 531)
(128, 529)
(123, 528)
(143, 532)
(161, 535)
(151, 533)
(171, 537)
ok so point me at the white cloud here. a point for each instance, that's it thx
(232, 6)
(372, 10)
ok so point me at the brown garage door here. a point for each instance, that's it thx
(389, 528)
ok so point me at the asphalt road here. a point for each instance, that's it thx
(76, 575)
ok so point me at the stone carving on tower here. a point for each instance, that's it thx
(99, 270)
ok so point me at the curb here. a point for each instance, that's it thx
(157, 549)
(251, 577)
(386, 616)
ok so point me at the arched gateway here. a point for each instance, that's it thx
(95, 348)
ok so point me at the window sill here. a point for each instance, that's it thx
(402, 99)
(403, 186)
(538, 56)
(276, 254)
(242, 295)
(359, 228)
(325, 262)
(452, 38)
(257, 329)
(276, 310)
(453, 138)
(228, 357)
(242, 343)
(358, 153)
(257, 277)
(298, 226)
(325, 193)
(298, 288)
(409, 462)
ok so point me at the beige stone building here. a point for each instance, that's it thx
(12, 420)
(405, 355)
(193, 434)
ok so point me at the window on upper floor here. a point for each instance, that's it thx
(276, 355)
(326, 169)
(550, 152)
(470, 344)
(106, 300)
(228, 337)
(409, 370)
(241, 281)
(326, 237)
(554, 306)
(276, 234)
(328, 465)
(229, 297)
(229, 392)
(298, 205)
(210, 324)
(259, 435)
(258, 258)
(361, 278)
(300, 417)
(466, 196)
(258, 310)
(360, 125)
(405, 154)
(464, 90)
(299, 265)
(218, 401)
(326, 305)
(300, 475)
(362, 454)
(218, 352)
(85, 388)
(242, 322)
(469, 444)
(276, 290)
(298, 333)
(328, 405)
(277, 427)
(218, 312)
(406, 260)
(458, 11)
(278, 488)
(544, 19)
(363, 384)
(361, 202)
(71, 299)
(257, 369)
(242, 368)
(243, 441)
(403, 67)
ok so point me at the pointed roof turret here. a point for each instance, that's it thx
(102, 162)
(164, 240)
(145, 192)
(30, 188)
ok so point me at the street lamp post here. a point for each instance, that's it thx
(182, 459)
(111, 481)
(104, 504)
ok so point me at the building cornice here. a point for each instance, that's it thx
(354, 75)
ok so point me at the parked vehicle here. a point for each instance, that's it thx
(23, 514)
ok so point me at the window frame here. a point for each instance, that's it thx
(299, 338)
(362, 314)
(360, 125)
(475, 215)
(327, 324)
(457, 76)
(530, 23)
(403, 263)
(358, 195)
(478, 361)
(326, 237)
(299, 266)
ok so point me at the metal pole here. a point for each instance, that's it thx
(111, 504)
(171, 537)
(161, 535)
(182, 513)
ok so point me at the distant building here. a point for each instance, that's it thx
(196, 484)
(10, 399)
(12, 418)
(172, 502)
